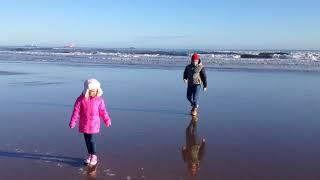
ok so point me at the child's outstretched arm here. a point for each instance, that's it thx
(104, 115)
(76, 113)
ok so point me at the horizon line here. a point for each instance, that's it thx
(158, 48)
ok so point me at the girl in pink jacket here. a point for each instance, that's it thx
(89, 108)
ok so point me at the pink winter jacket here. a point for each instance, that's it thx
(89, 111)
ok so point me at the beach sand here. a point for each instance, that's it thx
(257, 125)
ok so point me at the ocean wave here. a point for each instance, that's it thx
(263, 59)
(43, 51)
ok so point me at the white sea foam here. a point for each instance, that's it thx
(304, 60)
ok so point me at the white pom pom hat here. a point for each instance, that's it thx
(92, 84)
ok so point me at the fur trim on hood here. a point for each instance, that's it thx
(92, 84)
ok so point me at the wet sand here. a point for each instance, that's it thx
(256, 125)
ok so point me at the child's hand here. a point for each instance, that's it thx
(185, 81)
(72, 125)
(108, 124)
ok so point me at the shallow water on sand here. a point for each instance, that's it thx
(256, 125)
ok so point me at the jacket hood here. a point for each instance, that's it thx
(91, 84)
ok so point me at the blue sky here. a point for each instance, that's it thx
(221, 24)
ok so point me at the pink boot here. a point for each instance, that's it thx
(94, 160)
(87, 161)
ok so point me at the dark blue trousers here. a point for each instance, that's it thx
(193, 94)
(91, 145)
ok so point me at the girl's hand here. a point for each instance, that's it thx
(108, 124)
(72, 125)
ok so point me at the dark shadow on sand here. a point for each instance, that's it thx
(75, 162)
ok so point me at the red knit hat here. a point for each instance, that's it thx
(195, 57)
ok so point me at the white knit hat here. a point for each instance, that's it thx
(92, 84)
